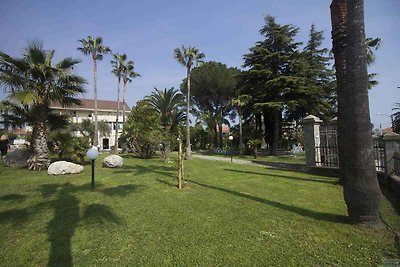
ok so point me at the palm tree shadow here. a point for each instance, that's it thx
(322, 216)
(316, 180)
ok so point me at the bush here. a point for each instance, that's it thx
(67, 146)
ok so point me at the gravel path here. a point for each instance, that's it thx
(226, 159)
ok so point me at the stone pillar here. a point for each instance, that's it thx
(311, 126)
(392, 145)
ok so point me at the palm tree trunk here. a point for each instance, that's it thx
(241, 146)
(40, 158)
(96, 125)
(220, 134)
(116, 121)
(339, 21)
(361, 188)
(123, 113)
(188, 148)
(167, 143)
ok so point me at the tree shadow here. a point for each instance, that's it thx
(16, 216)
(332, 181)
(122, 190)
(12, 197)
(66, 206)
(140, 169)
(167, 183)
(99, 214)
(321, 216)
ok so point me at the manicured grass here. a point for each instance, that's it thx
(232, 215)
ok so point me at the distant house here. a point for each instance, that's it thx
(106, 111)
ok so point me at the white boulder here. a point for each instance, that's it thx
(113, 161)
(64, 167)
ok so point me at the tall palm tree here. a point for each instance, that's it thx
(187, 57)
(95, 48)
(118, 64)
(128, 74)
(239, 102)
(339, 26)
(34, 82)
(167, 103)
(361, 188)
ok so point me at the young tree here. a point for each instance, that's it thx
(95, 48)
(187, 57)
(143, 131)
(167, 103)
(34, 81)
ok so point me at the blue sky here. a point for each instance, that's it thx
(148, 31)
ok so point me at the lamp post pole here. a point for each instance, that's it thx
(231, 139)
(92, 174)
(92, 154)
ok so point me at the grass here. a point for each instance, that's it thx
(230, 216)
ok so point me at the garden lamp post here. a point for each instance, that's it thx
(231, 139)
(92, 154)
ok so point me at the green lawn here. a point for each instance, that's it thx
(232, 215)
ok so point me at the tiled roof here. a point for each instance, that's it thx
(88, 104)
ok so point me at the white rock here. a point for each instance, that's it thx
(64, 167)
(113, 161)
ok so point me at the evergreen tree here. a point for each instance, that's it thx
(272, 78)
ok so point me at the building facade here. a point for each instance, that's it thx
(106, 111)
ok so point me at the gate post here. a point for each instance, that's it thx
(391, 141)
(312, 140)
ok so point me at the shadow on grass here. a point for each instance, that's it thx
(167, 183)
(12, 197)
(121, 190)
(61, 228)
(321, 216)
(332, 181)
(140, 169)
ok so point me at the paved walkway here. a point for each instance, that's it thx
(227, 159)
(271, 165)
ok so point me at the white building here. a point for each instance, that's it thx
(106, 111)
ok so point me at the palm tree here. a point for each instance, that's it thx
(239, 102)
(187, 57)
(118, 68)
(167, 103)
(339, 26)
(361, 188)
(95, 48)
(34, 82)
(128, 74)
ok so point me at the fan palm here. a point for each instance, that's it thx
(167, 103)
(187, 57)
(34, 82)
(95, 48)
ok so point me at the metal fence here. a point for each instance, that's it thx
(326, 153)
(396, 161)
